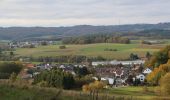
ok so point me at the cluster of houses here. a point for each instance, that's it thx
(118, 73)
(115, 73)
(32, 70)
(115, 62)
(29, 44)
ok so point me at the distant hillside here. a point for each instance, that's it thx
(28, 33)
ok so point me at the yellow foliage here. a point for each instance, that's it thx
(165, 86)
(162, 69)
(86, 88)
(168, 60)
(97, 85)
(18, 62)
(152, 75)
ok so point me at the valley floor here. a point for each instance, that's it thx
(90, 50)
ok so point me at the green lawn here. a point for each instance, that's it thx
(134, 91)
(91, 50)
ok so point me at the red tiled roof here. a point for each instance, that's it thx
(30, 65)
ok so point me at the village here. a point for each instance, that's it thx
(29, 44)
(113, 73)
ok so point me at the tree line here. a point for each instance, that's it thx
(96, 38)
(66, 59)
(64, 80)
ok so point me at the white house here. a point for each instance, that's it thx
(103, 79)
(95, 78)
(115, 62)
(141, 77)
(62, 66)
(111, 81)
(147, 71)
(100, 63)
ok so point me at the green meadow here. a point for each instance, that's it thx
(91, 50)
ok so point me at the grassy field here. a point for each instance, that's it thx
(137, 92)
(22, 90)
(91, 50)
(13, 92)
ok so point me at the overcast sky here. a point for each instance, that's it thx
(82, 12)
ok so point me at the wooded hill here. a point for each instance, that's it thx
(161, 30)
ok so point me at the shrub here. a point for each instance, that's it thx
(55, 78)
(13, 77)
(4, 75)
(7, 68)
(164, 84)
(62, 47)
(42, 84)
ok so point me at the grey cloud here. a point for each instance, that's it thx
(83, 11)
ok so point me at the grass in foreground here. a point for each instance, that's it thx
(27, 92)
(137, 92)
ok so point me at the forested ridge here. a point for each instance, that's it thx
(161, 30)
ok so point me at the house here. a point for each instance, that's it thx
(26, 76)
(40, 67)
(118, 72)
(62, 67)
(147, 71)
(109, 80)
(30, 65)
(36, 73)
(95, 78)
(103, 78)
(100, 63)
(115, 62)
(141, 77)
(113, 74)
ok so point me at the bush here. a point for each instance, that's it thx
(62, 47)
(164, 84)
(7, 68)
(42, 84)
(55, 78)
(4, 75)
(13, 77)
(79, 82)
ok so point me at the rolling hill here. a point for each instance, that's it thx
(28, 33)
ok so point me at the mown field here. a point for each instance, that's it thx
(90, 50)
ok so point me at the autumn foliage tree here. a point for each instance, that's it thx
(164, 84)
(93, 88)
(160, 57)
(160, 63)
